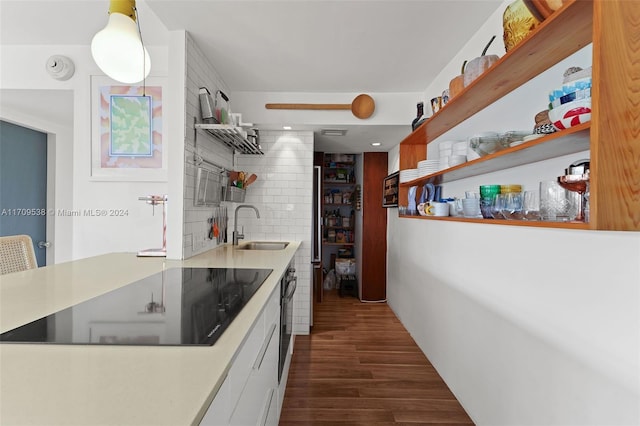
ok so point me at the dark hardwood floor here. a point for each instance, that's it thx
(360, 366)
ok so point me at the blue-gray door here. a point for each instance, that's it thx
(23, 184)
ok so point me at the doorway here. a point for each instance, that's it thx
(23, 185)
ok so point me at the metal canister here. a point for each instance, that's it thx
(207, 109)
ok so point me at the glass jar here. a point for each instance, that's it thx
(518, 20)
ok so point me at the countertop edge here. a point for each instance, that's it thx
(180, 395)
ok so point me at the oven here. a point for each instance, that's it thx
(287, 290)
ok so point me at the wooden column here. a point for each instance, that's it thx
(615, 128)
(373, 282)
(412, 150)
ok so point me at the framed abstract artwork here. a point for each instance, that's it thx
(128, 130)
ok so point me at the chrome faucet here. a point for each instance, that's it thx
(236, 235)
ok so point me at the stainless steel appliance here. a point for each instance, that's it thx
(287, 290)
(178, 306)
(316, 238)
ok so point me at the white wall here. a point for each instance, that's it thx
(282, 192)
(200, 73)
(22, 68)
(525, 325)
(390, 108)
(283, 195)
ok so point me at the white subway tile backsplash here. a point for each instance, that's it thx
(282, 192)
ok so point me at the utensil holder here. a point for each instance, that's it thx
(234, 194)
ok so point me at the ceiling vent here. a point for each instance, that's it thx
(333, 132)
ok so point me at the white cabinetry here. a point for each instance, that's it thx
(254, 403)
(247, 394)
(218, 412)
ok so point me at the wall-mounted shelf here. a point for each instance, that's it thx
(570, 141)
(233, 137)
(560, 35)
(611, 137)
(531, 223)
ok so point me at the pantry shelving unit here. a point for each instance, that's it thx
(613, 135)
(338, 189)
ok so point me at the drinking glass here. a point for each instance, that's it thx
(471, 207)
(531, 205)
(485, 207)
(498, 205)
(556, 203)
(512, 208)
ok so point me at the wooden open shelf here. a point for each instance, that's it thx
(612, 136)
(531, 223)
(570, 141)
(549, 44)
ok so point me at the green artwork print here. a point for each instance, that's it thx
(131, 126)
(129, 121)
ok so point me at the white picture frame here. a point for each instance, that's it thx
(128, 130)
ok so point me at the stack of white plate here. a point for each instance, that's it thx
(446, 149)
(426, 167)
(460, 148)
(408, 174)
(443, 163)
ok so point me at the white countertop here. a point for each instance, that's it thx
(48, 384)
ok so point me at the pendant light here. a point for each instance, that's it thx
(118, 49)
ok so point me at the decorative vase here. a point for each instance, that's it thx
(518, 20)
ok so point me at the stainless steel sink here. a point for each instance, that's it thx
(264, 245)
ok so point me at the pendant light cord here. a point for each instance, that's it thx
(144, 57)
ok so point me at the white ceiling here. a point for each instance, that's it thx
(351, 46)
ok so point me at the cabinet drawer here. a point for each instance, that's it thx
(250, 408)
(269, 415)
(243, 363)
(219, 410)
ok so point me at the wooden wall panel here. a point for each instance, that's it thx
(615, 128)
(374, 228)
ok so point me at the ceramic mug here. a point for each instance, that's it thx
(437, 209)
(445, 97)
(455, 207)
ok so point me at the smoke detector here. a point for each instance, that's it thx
(60, 67)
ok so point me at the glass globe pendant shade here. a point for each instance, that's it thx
(118, 50)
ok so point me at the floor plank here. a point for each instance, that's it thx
(360, 366)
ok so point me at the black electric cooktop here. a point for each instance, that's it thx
(178, 306)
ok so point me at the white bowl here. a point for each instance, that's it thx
(571, 114)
